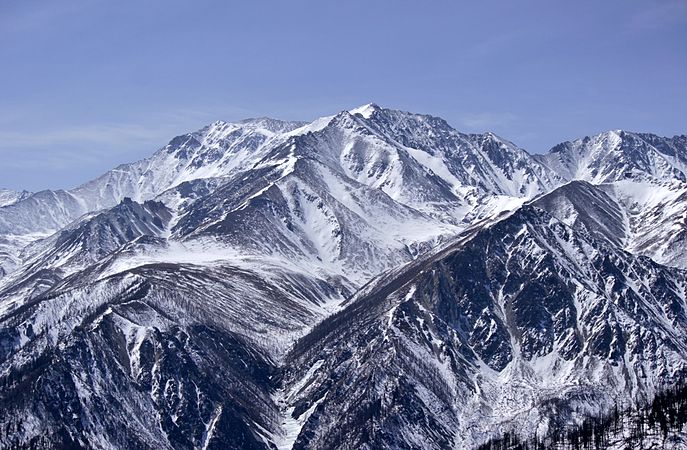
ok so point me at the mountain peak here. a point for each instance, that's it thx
(365, 110)
(265, 125)
(618, 154)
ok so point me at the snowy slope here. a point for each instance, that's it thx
(166, 355)
(8, 197)
(213, 151)
(616, 155)
(471, 166)
(656, 215)
(647, 177)
(520, 325)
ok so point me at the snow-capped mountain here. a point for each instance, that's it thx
(617, 155)
(459, 178)
(81, 245)
(646, 175)
(372, 279)
(215, 150)
(8, 197)
(522, 324)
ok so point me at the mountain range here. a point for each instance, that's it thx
(372, 279)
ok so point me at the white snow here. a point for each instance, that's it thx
(292, 426)
(366, 110)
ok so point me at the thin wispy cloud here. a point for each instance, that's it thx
(154, 129)
(96, 147)
(87, 134)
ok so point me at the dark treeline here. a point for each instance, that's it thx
(657, 423)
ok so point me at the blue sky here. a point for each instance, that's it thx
(86, 85)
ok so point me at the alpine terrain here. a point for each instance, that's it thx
(372, 279)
